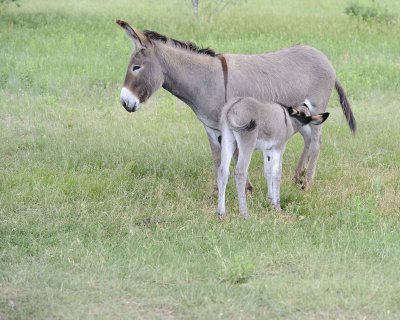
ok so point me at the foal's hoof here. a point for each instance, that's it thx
(221, 214)
(214, 192)
(277, 207)
(245, 215)
(249, 187)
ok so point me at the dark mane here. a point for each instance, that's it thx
(187, 45)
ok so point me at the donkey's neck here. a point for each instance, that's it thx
(196, 79)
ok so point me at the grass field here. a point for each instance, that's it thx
(105, 214)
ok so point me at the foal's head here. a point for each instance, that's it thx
(303, 115)
(144, 75)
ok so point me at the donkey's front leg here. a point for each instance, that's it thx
(214, 138)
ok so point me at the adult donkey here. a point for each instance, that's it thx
(204, 80)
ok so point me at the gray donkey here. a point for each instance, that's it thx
(205, 81)
(247, 124)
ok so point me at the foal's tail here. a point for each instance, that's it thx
(346, 107)
(240, 118)
(247, 126)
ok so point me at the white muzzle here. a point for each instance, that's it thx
(128, 100)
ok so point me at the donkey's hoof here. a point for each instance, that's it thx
(306, 185)
(214, 192)
(299, 176)
(297, 179)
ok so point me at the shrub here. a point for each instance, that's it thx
(372, 12)
(4, 3)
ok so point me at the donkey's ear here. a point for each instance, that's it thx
(319, 118)
(138, 37)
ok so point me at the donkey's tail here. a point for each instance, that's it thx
(348, 113)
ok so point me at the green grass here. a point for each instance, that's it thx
(105, 214)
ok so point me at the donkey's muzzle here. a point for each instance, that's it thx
(128, 100)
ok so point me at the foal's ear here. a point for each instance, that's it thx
(319, 118)
(138, 37)
(292, 111)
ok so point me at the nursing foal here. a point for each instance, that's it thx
(248, 124)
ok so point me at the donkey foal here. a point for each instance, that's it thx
(249, 124)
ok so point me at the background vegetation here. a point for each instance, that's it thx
(105, 214)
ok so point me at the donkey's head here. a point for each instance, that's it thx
(302, 114)
(144, 75)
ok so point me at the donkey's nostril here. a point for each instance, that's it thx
(128, 100)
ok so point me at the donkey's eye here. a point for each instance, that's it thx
(135, 67)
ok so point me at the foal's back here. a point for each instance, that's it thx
(268, 121)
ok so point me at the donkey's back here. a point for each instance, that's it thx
(288, 76)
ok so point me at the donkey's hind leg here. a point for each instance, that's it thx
(303, 162)
(307, 164)
(314, 150)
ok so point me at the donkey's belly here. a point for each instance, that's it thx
(208, 121)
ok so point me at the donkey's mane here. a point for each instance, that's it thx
(187, 45)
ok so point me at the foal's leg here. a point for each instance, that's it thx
(214, 138)
(249, 186)
(267, 172)
(228, 146)
(275, 177)
(246, 144)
